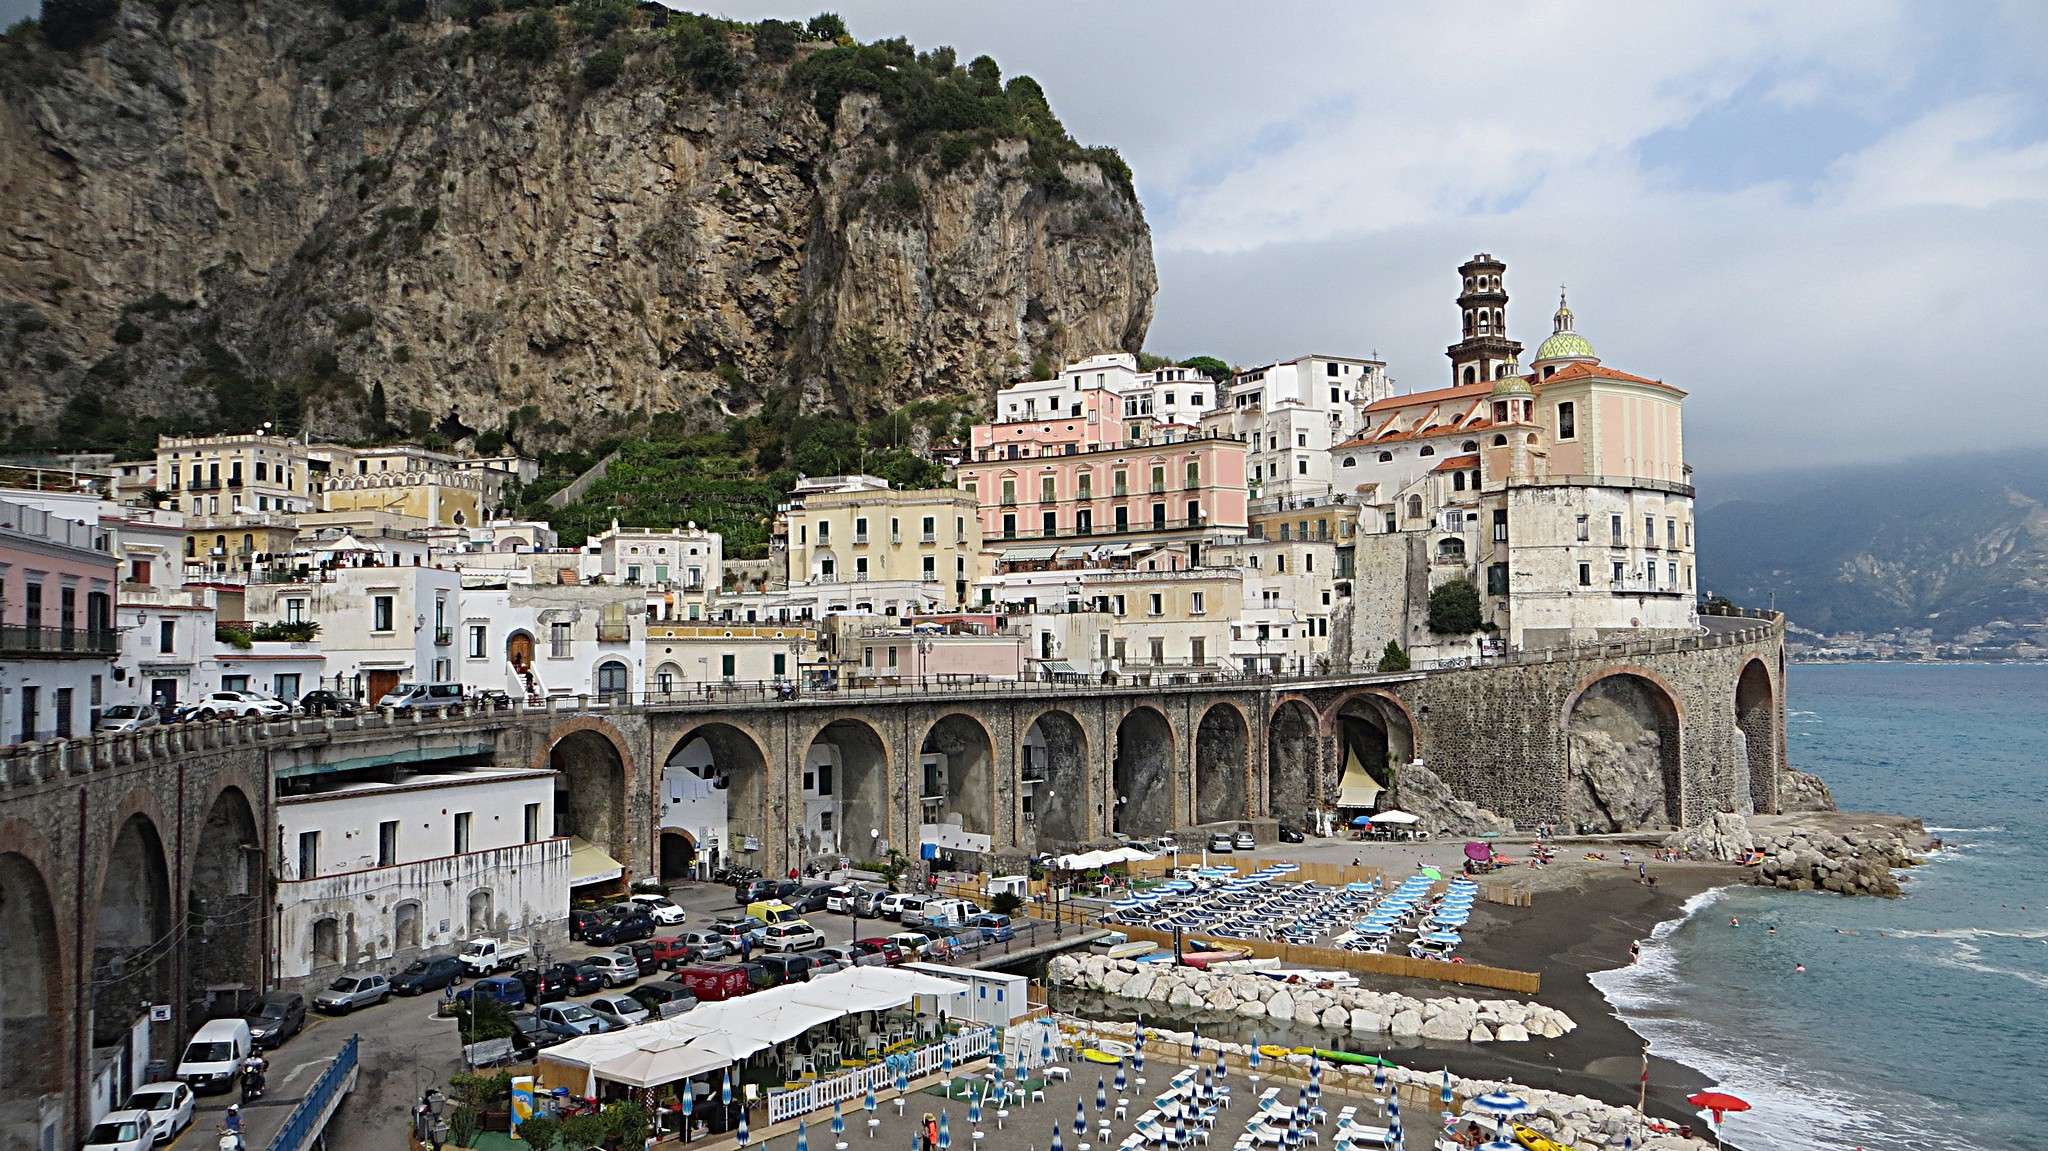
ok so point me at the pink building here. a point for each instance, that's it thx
(57, 639)
(1044, 481)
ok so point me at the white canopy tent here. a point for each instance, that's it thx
(1088, 859)
(1395, 817)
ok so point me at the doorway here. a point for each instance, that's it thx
(382, 683)
(519, 650)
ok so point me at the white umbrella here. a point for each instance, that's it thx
(1395, 817)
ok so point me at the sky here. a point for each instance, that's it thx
(1823, 220)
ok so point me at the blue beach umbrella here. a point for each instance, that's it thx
(1221, 1069)
(1057, 1143)
(1101, 1095)
(902, 1080)
(1394, 1107)
(946, 1067)
(1045, 1045)
(741, 1134)
(1379, 1078)
(1253, 1059)
(803, 1137)
(1138, 1060)
(869, 1102)
(1122, 1083)
(1080, 1120)
(1501, 1104)
(1394, 1132)
(838, 1121)
(945, 1131)
(725, 1090)
(1444, 1094)
(974, 1110)
(689, 1103)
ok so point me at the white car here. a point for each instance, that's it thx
(795, 935)
(238, 705)
(891, 906)
(168, 1104)
(619, 1010)
(121, 1131)
(662, 908)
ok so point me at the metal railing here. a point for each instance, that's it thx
(303, 1127)
(28, 642)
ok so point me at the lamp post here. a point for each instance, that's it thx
(924, 653)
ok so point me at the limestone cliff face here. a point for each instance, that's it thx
(259, 193)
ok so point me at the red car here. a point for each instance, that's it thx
(714, 982)
(886, 948)
(672, 953)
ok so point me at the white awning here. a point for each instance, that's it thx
(588, 863)
(1028, 554)
(1356, 788)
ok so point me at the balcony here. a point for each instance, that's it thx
(57, 643)
(443, 636)
(858, 538)
(930, 538)
(1642, 588)
(614, 632)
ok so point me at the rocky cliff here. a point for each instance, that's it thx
(571, 219)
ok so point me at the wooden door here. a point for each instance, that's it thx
(381, 684)
(520, 652)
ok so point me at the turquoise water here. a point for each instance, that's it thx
(1928, 1026)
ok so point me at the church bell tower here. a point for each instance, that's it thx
(1485, 353)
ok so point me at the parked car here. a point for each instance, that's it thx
(1245, 841)
(1220, 842)
(891, 906)
(788, 968)
(753, 891)
(784, 888)
(407, 696)
(349, 992)
(847, 957)
(910, 910)
(643, 955)
(620, 1010)
(886, 948)
(843, 898)
(543, 986)
(626, 928)
(713, 982)
(120, 1131)
(428, 975)
(811, 896)
(277, 1017)
(796, 935)
(734, 926)
(705, 945)
(168, 1104)
(670, 952)
(530, 1034)
(828, 966)
(573, 1019)
(911, 942)
(1165, 845)
(994, 928)
(1290, 834)
(615, 970)
(128, 717)
(664, 999)
(581, 922)
(238, 705)
(321, 701)
(506, 989)
(576, 979)
(662, 908)
(960, 938)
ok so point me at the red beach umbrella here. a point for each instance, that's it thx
(1719, 1102)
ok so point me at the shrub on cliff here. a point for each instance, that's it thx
(1454, 608)
(533, 38)
(1394, 659)
(71, 24)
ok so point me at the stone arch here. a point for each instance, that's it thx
(227, 897)
(847, 761)
(590, 762)
(1222, 745)
(1755, 717)
(676, 854)
(1374, 729)
(1053, 768)
(1290, 762)
(1624, 753)
(1142, 778)
(956, 775)
(32, 1007)
(134, 947)
(480, 914)
(715, 779)
(405, 926)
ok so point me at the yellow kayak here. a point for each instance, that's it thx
(1094, 1056)
(1275, 1050)
(1535, 1140)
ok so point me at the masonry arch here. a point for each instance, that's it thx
(1142, 777)
(32, 1040)
(956, 778)
(134, 948)
(1374, 735)
(1053, 770)
(1755, 717)
(1222, 742)
(846, 790)
(519, 652)
(590, 790)
(676, 854)
(405, 926)
(1290, 762)
(481, 917)
(1624, 767)
(227, 898)
(715, 784)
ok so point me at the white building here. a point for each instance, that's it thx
(371, 874)
(1290, 413)
(551, 639)
(379, 626)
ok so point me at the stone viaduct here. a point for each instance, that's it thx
(137, 869)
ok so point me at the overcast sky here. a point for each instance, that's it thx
(1825, 221)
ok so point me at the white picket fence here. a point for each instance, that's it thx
(854, 1085)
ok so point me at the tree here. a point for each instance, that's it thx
(1454, 608)
(775, 40)
(581, 1131)
(603, 67)
(1209, 366)
(69, 24)
(1394, 659)
(703, 55)
(986, 74)
(379, 406)
(534, 37)
(826, 26)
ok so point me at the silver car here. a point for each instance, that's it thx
(128, 717)
(352, 991)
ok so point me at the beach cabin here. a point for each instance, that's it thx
(993, 997)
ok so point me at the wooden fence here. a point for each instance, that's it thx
(1465, 974)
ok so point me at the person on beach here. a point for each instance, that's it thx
(1635, 950)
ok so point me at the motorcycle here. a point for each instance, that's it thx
(252, 1086)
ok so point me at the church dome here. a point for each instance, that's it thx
(1511, 385)
(1564, 342)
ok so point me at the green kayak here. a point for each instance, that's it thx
(1347, 1057)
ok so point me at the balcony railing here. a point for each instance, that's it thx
(443, 636)
(614, 632)
(25, 642)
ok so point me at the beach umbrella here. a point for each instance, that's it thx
(1379, 1078)
(1500, 1145)
(1444, 1094)
(1718, 1102)
(725, 1090)
(1138, 1060)
(902, 1081)
(838, 1121)
(1394, 1107)
(945, 1131)
(689, 1103)
(1080, 1120)
(1394, 1132)
(1501, 1104)
(803, 1137)
(1253, 1058)
(1101, 1095)
(869, 1102)
(1121, 1081)
(741, 1134)
(1222, 1069)
(1057, 1143)
(974, 1110)
(1045, 1045)
(946, 1069)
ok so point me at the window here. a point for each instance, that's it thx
(1120, 483)
(1158, 479)
(477, 640)
(1050, 523)
(380, 613)
(1497, 579)
(1426, 451)
(728, 665)
(1123, 518)
(167, 636)
(1158, 604)
(1567, 421)
(1671, 534)
(1650, 574)
(1386, 457)
(931, 529)
(824, 779)
(464, 820)
(1086, 485)
(1617, 574)
(1500, 525)
(531, 829)
(285, 686)
(1671, 570)
(1649, 531)
(1301, 465)
(559, 635)
(1414, 507)
(295, 611)
(1196, 604)
(1009, 492)
(1585, 529)
(309, 854)
(613, 678)
(1585, 575)
(860, 567)
(1614, 526)
(1458, 481)
(1158, 645)
(1158, 516)
(1194, 474)
(824, 532)
(387, 843)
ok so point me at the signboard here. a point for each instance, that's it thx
(750, 843)
(160, 1013)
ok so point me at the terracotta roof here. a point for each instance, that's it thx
(1572, 372)
(1462, 391)
(1457, 464)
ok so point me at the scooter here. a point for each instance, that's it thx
(252, 1086)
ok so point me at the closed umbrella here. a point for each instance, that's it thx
(725, 1090)
(869, 1102)
(902, 1081)
(689, 1103)
(1101, 1095)
(1080, 1120)
(1122, 1082)
(974, 1110)
(1379, 1078)
(838, 1122)
(946, 1068)
(1221, 1069)
(741, 1134)
(1253, 1057)
(1444, 1095)
(803, 1137)
(945, 1131)
(1394, 1107)
(1138, 1060)
(1057, 1143)
(1394, 1132)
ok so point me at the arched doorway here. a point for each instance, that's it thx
(1622, 740)
(482, 908)
(846, 791)
(678, 854)
(1290, 763)
(227, 900)
(1054, 775)
(1143, 775)
(405, 926)
(1755, 717)
(715, 788)
(957, 782)
(31, 1017)
(614, 679)
(1221, 742)
(1374, 739)
(133, 947)
(590, 792)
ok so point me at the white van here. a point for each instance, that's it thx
(945, 913)
(411, 695)
(214, 1057)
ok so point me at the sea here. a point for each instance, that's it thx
(1920, 1022)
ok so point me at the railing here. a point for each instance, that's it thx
(968, 1045)
(27, 642)
(614, 632)
(1637, 483)
(443, 636)
(303, 1127)
(1096, 533)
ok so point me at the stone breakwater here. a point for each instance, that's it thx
(1853, 863)
(1353, 1009)
(1574, 1120)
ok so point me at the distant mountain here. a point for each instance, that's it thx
(1947, 544)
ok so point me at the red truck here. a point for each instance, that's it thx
(714, 982)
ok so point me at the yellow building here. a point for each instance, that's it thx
(856, 529)
(210, 478)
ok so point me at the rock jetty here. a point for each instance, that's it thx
(1354, 1009)
(1856, 862)
(1573, 1120)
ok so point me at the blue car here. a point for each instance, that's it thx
(503, 988)
(994, 928)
